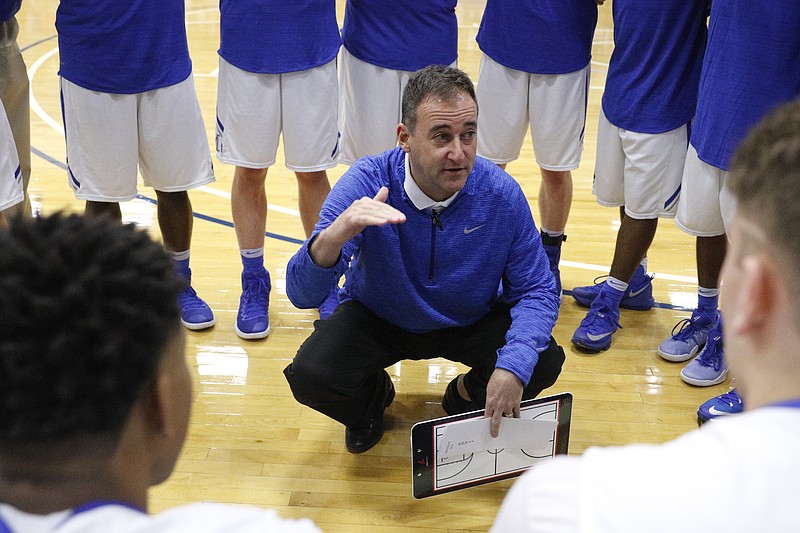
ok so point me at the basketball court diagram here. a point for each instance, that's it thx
(436, 471)
(466, 468)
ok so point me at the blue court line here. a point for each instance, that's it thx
(153, 201)
(40, 41)
(226, 223)
(229, 224)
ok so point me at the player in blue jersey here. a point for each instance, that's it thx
(277, 76)
(431, 230)
(385, 42)
(535, 70)
(649, 100)
(14, 91)
(752, 65)
(95, 392)
(129, 104)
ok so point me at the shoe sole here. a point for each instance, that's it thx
(705, 383)
(593, 349)
(622, 304)
(251, 336)
(679, 357)
(195, 326)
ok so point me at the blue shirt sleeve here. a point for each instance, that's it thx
(529, 286)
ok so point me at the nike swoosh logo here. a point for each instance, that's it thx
(598, 337)
(470, 230)
(637, 293)
(714, 412)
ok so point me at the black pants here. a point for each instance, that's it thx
(339, 369)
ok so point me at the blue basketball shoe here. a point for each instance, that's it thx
(638, 296)
(729, 403)
(708, 368)
(195, 313)
(252, 320)
(690, 336)
(595, 330)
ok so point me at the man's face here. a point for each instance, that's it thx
(441, 149)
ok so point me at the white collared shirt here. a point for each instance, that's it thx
(422, 201)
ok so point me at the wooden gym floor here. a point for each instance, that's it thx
(250, 442)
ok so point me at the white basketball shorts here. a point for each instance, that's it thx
(10, 172)
(554, 105)
(706, 206)
(160, 132)
(253, 109)
(641, 171)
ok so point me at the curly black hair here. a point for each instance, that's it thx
(87, 307)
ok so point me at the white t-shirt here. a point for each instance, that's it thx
(735, 474)
(118, 518)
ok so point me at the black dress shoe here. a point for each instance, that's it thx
(453, 403)
(359, 440)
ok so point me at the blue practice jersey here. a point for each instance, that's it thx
(124, 47)
(654, 70)
(401, 34)
(276, 36)
(539, 36)
(751, 67)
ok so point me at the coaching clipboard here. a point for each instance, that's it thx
(456, 452)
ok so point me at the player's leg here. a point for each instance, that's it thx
(311, 143)
(558, 121)
(249, 212)
(476, 346)
(312, 189)
(310, 135)
(174, 212)
(247, 135)
(700, 213)
(709, 367)
(555, 201)
(110, 210)
(339, 371)
(369, 107)
(653, 171)
(14, 93)
(173, 158)
(651, 184)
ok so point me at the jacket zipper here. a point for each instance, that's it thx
(436, 222)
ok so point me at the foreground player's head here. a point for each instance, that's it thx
(761, 275)
(94, 387)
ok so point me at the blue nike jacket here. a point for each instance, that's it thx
(422, 275)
